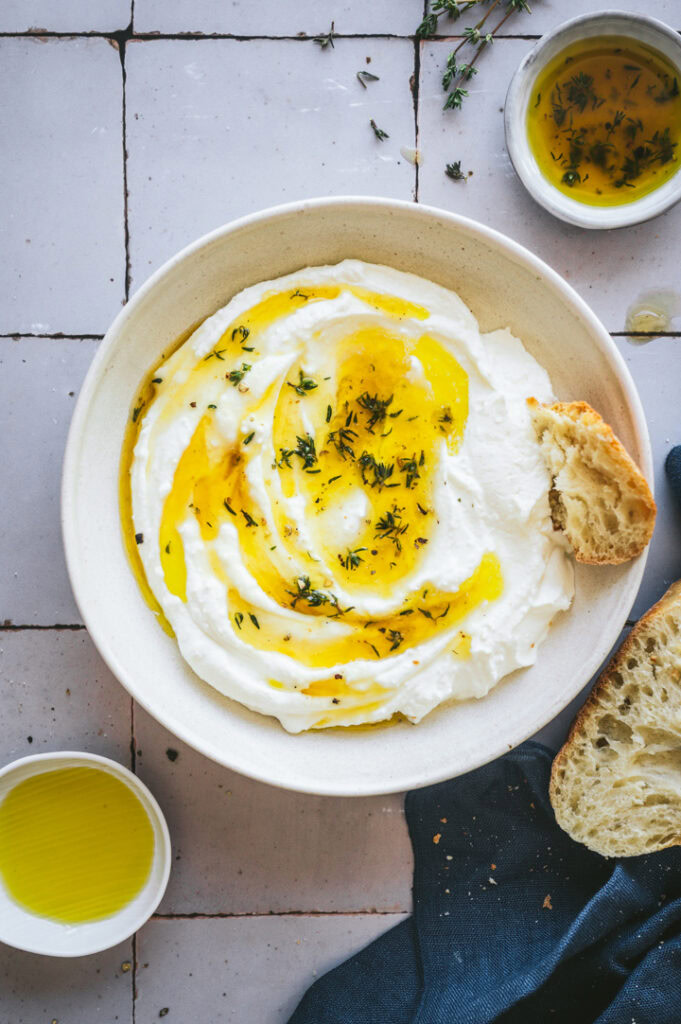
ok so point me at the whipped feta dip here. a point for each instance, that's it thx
(339, 501)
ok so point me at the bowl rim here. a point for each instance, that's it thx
(551, 278)
(649, 206)
(162, 850)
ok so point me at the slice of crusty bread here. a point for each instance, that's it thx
(599, 497)
(616, 783)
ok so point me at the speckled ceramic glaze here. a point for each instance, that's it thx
(504, 285)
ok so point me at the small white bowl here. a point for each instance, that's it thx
(504, 285)
(641, 29)
(35, 934)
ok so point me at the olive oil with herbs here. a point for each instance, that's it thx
(604, 120)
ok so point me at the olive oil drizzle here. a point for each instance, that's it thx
(375, 431)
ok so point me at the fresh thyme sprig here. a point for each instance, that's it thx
(378, 132)
(452, 8)
(455, 74)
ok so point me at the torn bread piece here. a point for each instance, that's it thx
(616, 783)
(598, 497)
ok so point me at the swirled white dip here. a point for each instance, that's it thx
(340, 503)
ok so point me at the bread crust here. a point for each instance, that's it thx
(670, 601)
(623, 468)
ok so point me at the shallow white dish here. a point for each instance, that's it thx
(24, 930)
(641, 29)
(504, 285)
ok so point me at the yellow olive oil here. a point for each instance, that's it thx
(604, 120)
(76, 844)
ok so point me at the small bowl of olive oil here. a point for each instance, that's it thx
(84, 854)
(593, 120)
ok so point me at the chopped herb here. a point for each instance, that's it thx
(139, 538)
(382, 471)
(168, 548)
(285, 457)
(395, 638)
(342, 439)
(373, 648)
(422, 510)
(378, 132)
(242, 332)
(328, 39)
(329, 413)
(215, 353)
(407, 611)
(229, 507)
(365, 76)
(136, 411)
(352, 558)
(411, 468)
(254, 620)
(376, 407)
(391, 527)
(238, 618)
(454, 171)
(306, 451)
(157, 380)
(304, 384)
(250, 521)
(236, 376)
(333, 478)
(211, 406)
(305, 592)
(297, 294)
(247, 440)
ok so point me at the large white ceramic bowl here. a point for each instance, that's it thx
(503, 284)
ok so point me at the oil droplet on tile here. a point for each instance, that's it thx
(651, 315)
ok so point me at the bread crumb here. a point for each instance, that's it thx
(443, 820)
(437, 837)
(493, 867)
(547, 904)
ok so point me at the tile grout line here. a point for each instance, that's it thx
(57, 336)
(246, 37)
(201, 916)
(415, 97)
(61, 336)
(122, 40)
(11, 627)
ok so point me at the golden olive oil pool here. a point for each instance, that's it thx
(604, 121)
(76, 844)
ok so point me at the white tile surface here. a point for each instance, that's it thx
(219, 128)
(58, 695)
(62, 262)
(277, 17)
(87, 990)
(64, 16)
(609, 269)
(39, 381)
(656, 369)
(261, 849)
(243, 970)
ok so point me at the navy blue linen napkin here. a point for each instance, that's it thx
(513, 921)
